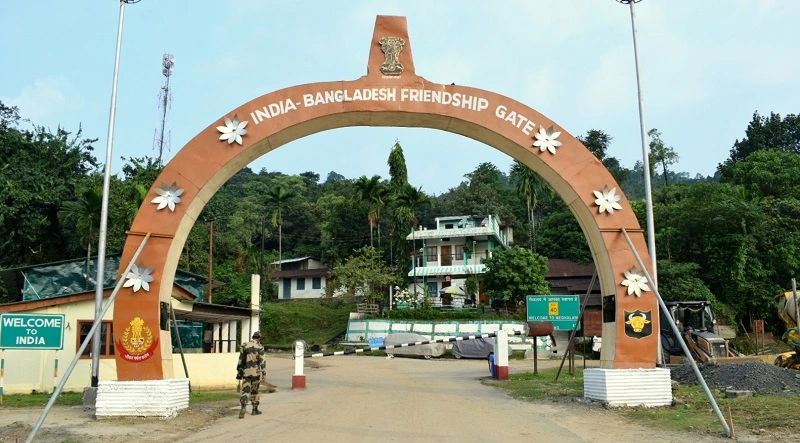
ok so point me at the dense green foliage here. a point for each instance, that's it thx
(733, 238)
(514, 273)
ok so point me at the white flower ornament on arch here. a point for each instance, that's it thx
(635, 282)
(546, 140)
(233, 130)
(608, 200)
(168, 196)
(139, 277)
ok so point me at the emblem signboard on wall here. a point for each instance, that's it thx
(638, 324)
(137, 343)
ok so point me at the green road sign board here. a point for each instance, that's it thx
(562, 310)
(32, 331)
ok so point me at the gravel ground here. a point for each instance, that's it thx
(754, 376)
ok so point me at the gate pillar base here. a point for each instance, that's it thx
(298, 382)
(143, 398)
(628, 387)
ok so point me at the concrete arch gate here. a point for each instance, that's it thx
(391, 94)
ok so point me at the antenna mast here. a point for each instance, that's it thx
(161, 140)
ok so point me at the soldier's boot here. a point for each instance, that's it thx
(255, 410)
(243, 402)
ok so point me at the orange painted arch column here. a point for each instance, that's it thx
(391, 94)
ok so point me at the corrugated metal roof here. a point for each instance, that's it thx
(317, 272)
(291, 260)
(68, 277)
(560, 267)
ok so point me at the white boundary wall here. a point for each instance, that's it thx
(361, 330)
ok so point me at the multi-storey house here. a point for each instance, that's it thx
(455, 249)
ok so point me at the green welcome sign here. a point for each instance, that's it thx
(32, 331)
(561, 310)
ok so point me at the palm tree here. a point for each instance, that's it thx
(529, 186)
(380, 197)
(409, 201)
(279, 195)
(83, 214)
(376, 194)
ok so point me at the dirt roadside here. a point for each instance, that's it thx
(358, 398)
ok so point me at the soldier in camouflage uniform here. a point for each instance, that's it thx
(252, 370)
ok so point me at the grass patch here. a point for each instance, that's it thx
(41, 399)
(212, 396)
(692, 412)
(316, 323)
(76, 398)
(541, 386)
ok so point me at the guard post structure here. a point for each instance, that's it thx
(298, 379)
(501, 355)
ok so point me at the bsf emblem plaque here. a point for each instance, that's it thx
(638, 324)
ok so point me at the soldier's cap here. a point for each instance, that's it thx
(256, 334)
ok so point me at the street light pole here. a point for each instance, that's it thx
(651, 235)
(101, 245)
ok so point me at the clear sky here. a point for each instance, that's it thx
(706, 67)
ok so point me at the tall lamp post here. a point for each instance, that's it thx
(101, 245)
(651, 235)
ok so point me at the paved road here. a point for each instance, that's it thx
(358, 398)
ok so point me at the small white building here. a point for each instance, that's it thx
(210, 334)
(300, 278)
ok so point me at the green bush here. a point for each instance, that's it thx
(744, 345)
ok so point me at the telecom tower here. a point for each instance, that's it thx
(161, 139)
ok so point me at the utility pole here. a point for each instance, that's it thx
(210, 258)
(261, 262)
(103, 232)
(651, 234)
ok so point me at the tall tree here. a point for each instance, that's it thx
(410, 201)
(511, 274)
(375, 194)
(279, 195)
(83, 214)
(39, 170)
(397, 168)
(661, 154)
(363, 275)
(529, 186)
(764, 133)
(599, 142)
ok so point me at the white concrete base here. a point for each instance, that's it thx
(628, 387)
(145, 398)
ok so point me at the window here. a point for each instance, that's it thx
(459, 252)
(106, 338)
(301, 284)
(316, 283)
(433, 254)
